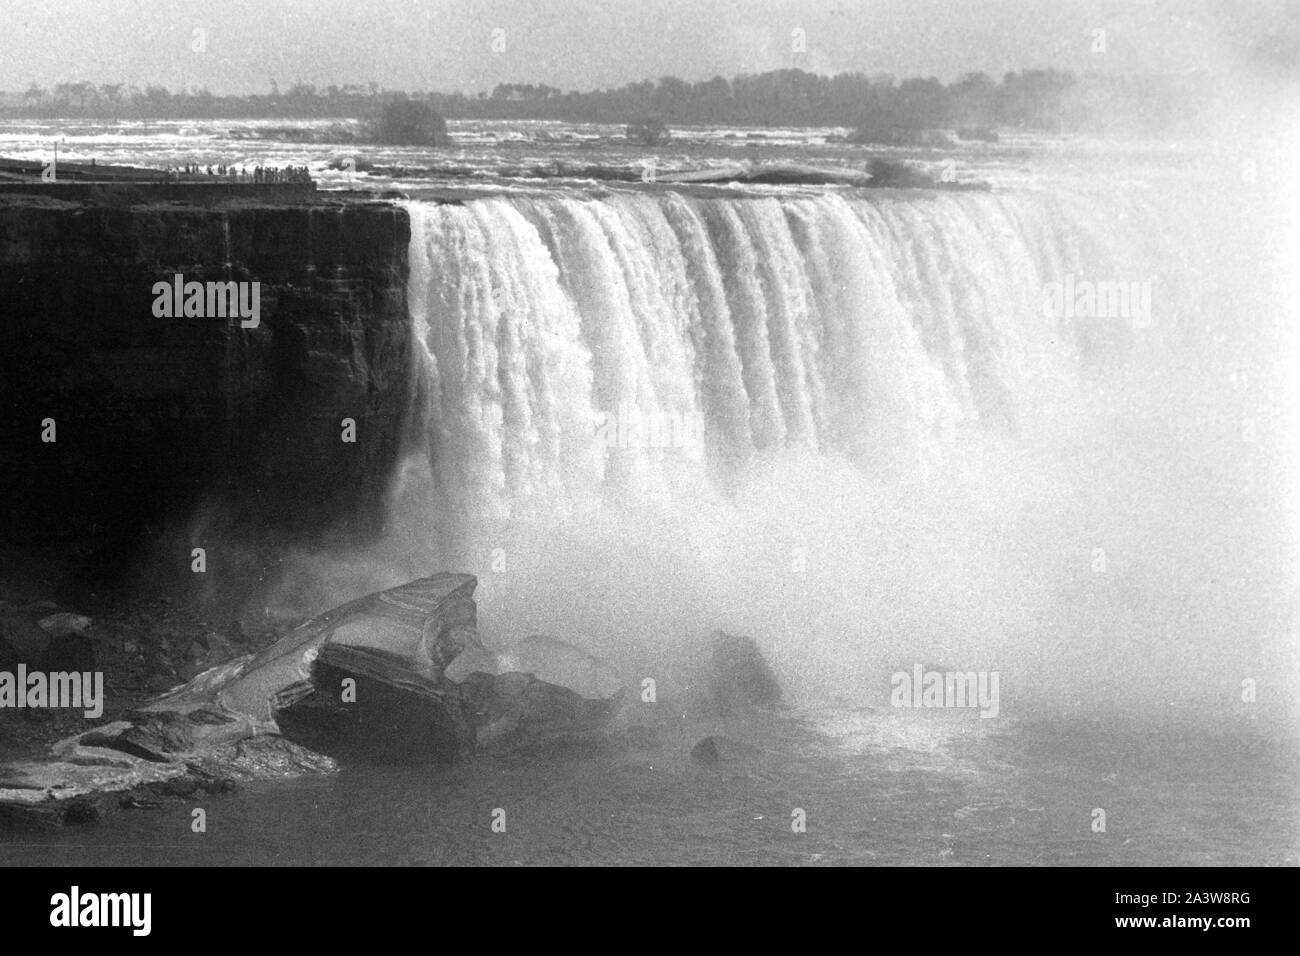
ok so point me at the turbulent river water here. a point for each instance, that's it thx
(874, 429)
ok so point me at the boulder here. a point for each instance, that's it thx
(42, 641)
(520, 709)
(64, 624)
(538, 688)
(559, 663)
(651, 131)
(739, 676)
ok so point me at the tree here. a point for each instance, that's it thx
(649, 132)
(407, 122)
(974, 99)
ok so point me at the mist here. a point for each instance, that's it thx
(1117, 546)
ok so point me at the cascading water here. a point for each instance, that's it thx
(842, 422)
(867, 328)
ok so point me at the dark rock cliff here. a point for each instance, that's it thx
(157, 416)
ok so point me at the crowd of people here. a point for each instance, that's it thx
(271, 175)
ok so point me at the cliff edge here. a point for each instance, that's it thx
(120, 421)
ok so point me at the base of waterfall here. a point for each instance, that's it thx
(396, 675)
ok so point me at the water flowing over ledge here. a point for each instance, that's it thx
(875, 328)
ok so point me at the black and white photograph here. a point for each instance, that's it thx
(650, 433)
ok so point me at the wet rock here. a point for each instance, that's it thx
(121, 766)
(44, 641)
(73, 811)
(204, 653)
(740, 677)
(375, 722)
(160, 683)
(266, 757)
(706, 752)
(519, 707)
(718, 749)
(78, 771)
(133, 801)
(547, 659)
(179, 787)
(403, 637)
(538, 688)
(64, 624)
(219, 650)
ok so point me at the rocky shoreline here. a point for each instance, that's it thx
(144, 641)
(399, 675)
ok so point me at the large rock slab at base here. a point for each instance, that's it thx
(222, 726)
(404, 636)
(397, 673)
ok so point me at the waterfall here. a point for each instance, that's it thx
(850, 424)
(568, 340)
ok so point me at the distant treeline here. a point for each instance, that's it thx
(1035, 99)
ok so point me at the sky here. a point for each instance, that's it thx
(473, 45)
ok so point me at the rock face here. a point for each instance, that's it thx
(153, 415)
